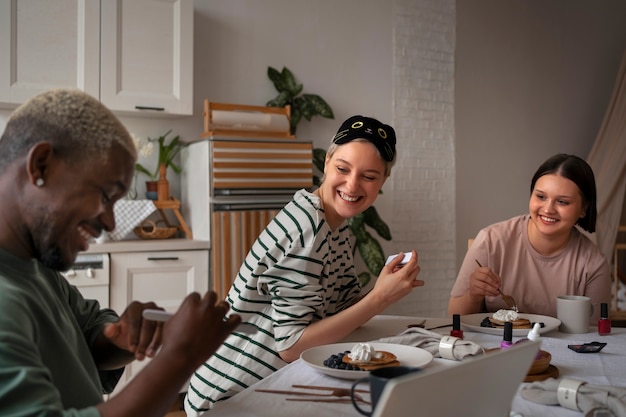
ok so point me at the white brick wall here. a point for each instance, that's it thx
(422, 186)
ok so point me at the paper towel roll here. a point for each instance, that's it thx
(241, 120)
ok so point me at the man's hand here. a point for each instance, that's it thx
(135, 334)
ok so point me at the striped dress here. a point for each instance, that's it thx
(297, 272)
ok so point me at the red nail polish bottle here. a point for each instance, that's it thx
(604, 324)
(456, 326)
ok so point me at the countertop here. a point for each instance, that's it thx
(144, 245)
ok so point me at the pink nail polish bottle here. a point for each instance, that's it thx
(507, 340)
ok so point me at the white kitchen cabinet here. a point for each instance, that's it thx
(165, 277)
(135, 56)
(147, 56)
(46, 45)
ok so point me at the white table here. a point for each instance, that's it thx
(606, 368)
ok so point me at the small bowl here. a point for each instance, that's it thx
(541, 364)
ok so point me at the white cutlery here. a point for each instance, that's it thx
(160, 315)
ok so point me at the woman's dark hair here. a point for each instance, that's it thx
(580, 173)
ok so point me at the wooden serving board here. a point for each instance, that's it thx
(551, 372)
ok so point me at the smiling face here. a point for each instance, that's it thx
(555, 206)
(353, 177)
(76, 204)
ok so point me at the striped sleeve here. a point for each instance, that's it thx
(297, 272)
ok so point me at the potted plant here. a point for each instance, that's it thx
(305, 105)
(166, 154)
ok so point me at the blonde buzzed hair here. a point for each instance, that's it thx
(78, 126)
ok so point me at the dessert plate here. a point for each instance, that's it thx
(407, 356)
(471, 322)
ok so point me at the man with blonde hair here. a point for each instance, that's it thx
(65, 160)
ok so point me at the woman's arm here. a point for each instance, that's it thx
(466, 304)
(598, 285)
(389, 288)
(474, 282)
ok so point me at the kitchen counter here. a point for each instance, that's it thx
(146, 245)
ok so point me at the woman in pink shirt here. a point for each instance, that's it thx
(540, 255)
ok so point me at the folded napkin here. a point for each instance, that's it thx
(592, 400)
(432, 342)
(128, 215)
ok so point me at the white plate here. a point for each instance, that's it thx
(471, 322)
(407, 356)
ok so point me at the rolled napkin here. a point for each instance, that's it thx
(592, 400)
(438, 345)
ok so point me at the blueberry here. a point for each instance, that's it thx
(486, 322)
(336, 362)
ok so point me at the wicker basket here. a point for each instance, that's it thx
(150, 230)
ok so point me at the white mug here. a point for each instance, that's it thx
(574, 312)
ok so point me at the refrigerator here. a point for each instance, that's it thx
(230, 190)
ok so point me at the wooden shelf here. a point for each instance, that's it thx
(240, 130)
(174, 205)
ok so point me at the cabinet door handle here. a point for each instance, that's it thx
(149, 108)
(165, 258)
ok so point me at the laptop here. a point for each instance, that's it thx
(482, 386)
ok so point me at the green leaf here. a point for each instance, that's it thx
(318, 106)
(306, 109)
(167, 153)
(143, 170)
(307, 105)
(276, 79)
(373, 220)
(319, 157)
(289, 81)
(175, 167)
(356, 226)
(296, 115)
(280, 100)
(371, 252)
(364, 278)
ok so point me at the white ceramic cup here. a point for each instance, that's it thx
(574, 312)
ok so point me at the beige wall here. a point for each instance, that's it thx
(530, 78)
(533, 78)
(334, 51)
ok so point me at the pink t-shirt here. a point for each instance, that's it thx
(532, 279)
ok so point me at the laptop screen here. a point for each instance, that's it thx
(482, 386)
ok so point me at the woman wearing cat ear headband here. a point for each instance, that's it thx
(298, 284)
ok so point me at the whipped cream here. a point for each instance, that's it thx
(363, 352)
(506, 315)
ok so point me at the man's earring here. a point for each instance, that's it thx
(39, 182)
